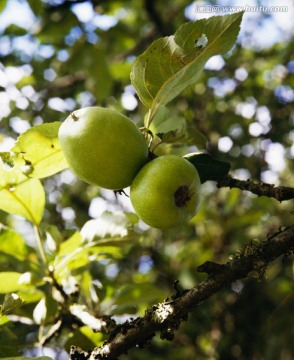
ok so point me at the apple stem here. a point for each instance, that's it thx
(74, 116)
(120, 192)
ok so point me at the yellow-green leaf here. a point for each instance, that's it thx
(3, 4)
(12, 244)
(40, 148)
(9, 282)
(21, 195)
(70, 245)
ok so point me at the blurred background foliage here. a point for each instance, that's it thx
(60, 55)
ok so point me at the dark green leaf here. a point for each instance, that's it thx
(50, 33)
(36, 6)
(15, 30)
(208, 167)
(135, 294)
(11, 302)
(8, 159)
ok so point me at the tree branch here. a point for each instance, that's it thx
(162, 28)
(280, 193)
(167, 316)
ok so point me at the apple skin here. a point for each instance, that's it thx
(103, 147)
(166, 192)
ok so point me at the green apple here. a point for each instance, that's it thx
(166, 192)
(103, 147)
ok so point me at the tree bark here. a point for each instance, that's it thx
(167, 316)
(280, 193)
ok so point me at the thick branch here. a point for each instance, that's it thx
(167, 316)
(281, 193)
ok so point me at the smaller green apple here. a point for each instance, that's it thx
(166, 192)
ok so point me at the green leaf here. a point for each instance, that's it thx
(168, 126)
(85, 337)
(105, 237)
(31, 296)
(11, 302)
(3, 320)
(12, 244)
(172, 128)
(109, 225)
(9, 282)
(15, 30)
(198, 139)
(71, 255)
(70, 245)
(3, 4)
(40, 148)
(172, 63)
(83, 255)
(20, 195)
(37, 7)
(136, 294)
(208, 167)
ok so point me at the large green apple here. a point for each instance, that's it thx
(103, 147)
(166, 192)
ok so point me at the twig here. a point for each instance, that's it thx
(280, 193)
(40, 246)
(167, 316)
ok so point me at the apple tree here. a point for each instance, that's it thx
(146, 199)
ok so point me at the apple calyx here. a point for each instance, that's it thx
(182, 196)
